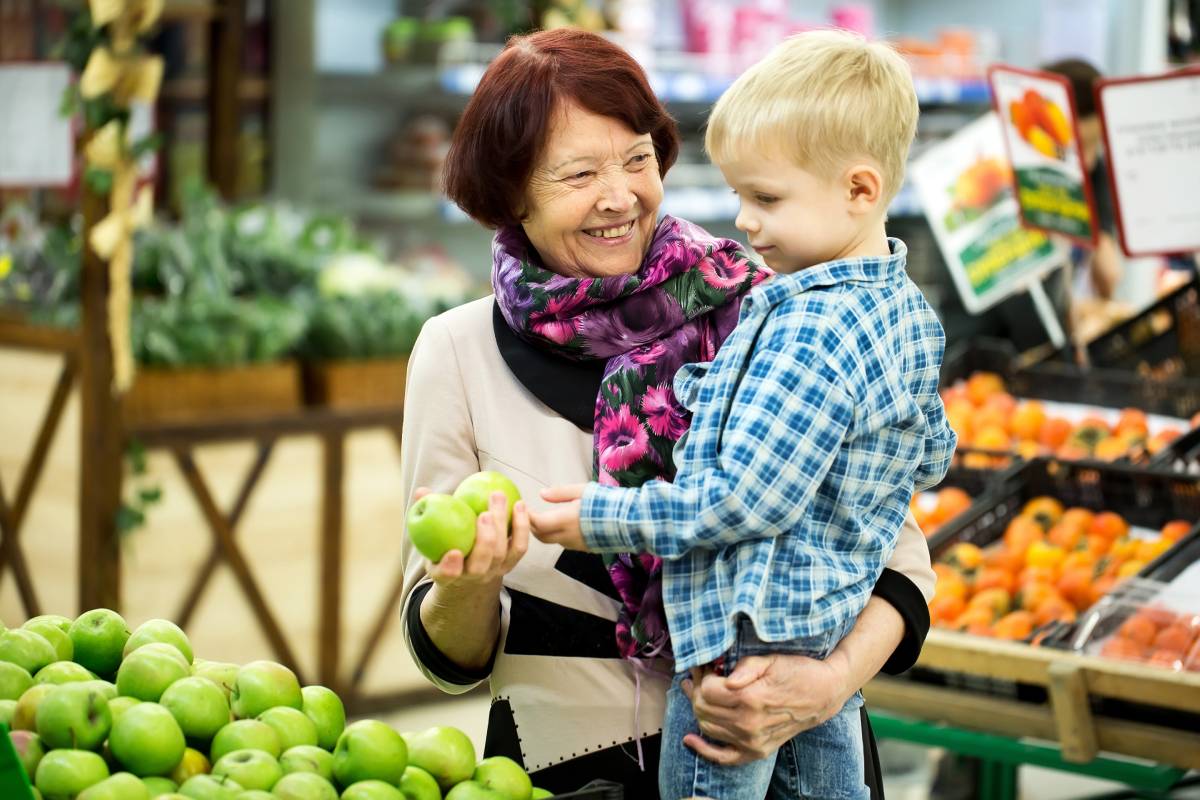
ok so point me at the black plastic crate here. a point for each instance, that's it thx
(1183, 454)
(1144, 497)
(1165, 338)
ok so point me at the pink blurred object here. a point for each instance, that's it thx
(854, 17)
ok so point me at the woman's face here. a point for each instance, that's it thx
(592, 200)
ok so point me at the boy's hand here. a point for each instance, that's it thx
(560, 525)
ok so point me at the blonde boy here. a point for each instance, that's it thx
(813, 425)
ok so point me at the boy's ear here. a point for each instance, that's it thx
(864, 186)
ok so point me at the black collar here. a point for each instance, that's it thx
(568, 387)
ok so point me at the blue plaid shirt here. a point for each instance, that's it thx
(810, 430)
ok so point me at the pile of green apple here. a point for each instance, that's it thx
(439, 523)
(98, 713)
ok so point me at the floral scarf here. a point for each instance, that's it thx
(677, 309)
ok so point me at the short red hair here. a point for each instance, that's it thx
(505, 124)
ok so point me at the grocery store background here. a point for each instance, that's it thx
(341, 111)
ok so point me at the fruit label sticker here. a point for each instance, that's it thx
(965, 186)
(1038, 117)
(1151, 130)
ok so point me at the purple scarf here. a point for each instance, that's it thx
(677, 309)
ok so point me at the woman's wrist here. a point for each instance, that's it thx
(862, 653)
(463, 621)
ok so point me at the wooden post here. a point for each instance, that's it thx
(224, 110)
(101, 436)
(333, 446)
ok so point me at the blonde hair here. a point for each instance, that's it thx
(821, 98)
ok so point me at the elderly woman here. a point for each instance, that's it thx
(563, 376)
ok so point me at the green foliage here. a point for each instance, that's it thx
(215, 331)
(375, 324)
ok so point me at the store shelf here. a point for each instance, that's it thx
(250, 90)
(684, 87)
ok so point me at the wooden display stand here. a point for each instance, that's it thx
(1074, 683)
(205, 394)
(373, 383)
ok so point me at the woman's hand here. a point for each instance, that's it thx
(764, 702)
(494, 555)
(560, 524)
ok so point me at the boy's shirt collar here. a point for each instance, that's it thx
(869, 269)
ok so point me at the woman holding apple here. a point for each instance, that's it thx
(563, 376)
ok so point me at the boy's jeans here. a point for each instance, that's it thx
(824, 762)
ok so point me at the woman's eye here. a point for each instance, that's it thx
(765, 199)
(641, 158)
(579, 176)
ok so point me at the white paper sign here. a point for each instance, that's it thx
(1152, 136)
(36, 142)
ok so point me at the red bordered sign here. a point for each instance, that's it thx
(1041, 136)
(1151, 128)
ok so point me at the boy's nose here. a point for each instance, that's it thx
(745, 222)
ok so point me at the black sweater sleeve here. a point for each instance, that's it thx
(427, 652)
(903, 595)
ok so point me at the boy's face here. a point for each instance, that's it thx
(791, 217)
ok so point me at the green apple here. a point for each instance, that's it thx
(146, 740)
(62, 774)
(417, 784)
(219, 672)
(26, 649)
(473, 790)
(307, 758)
(291, 725)
(56, 636)
(369, 749)
(210, 787)
(107, 690)
(74, 716)
(30, 750)
(325, 709)
(147, 673)
(540, 794)
(193, 762)
(14, 680)
(372, 790)
(198, 705)
(304, 786)
(477, 490)
(119, 705)
(7, 707)
(61, 672)
(245, 734)
(503, 775)
(439, 523)
(157, 785)
(159, 630)
(121, 786)
(99, 638)
(253, 769)
(57, 620)
(256, 794)
(445, 753)
(262, 685)
(25, 714)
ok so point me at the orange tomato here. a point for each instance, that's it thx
(1159, 617)
(964, 556)
(1124, 649)
(1130, 568)
(1044, 554)
(1150, 549)
(1109, 525)
(1016, 625)
(991, 437)
(1031, 595)
(1110, 449)
(1121, 549)
(1138, 629)
(1021, 533)
(1065, 536)
(1175, 637)
(1159, 441)
(943, 609)
(1102, 586)
(1175, 530)
(1076, 517)
(1075, 585)
(1037, 575)
(1169, 659)
(991, 578)
(951, 502)
(982, 385)
(974, 616)
(1045, 511)
(950, 584)
(1003, 558)
(1053, 609)
(1053, 433)
(995, 599)
(1027, 420)
(1132, 420)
